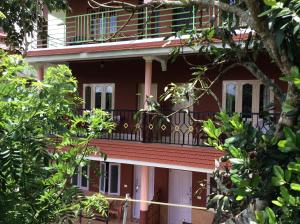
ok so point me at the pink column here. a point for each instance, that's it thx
(145, 169)
(148, 78)
(144, 194)
(40, 75)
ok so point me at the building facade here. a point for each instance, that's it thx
(119, 58)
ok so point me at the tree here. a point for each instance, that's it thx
(23, 18)
(43, 142)
(262, 181)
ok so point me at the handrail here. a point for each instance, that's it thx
(108, 25)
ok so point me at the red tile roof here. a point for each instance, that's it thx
(196, 157)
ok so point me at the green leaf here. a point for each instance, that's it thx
(239, 198)
(295, 186)
(270, 2)
(236, 161)
(276, 181)
(277, 203)
(271, 215)
(278, 171)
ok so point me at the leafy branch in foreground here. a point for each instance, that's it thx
(43, 140)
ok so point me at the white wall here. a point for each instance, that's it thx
(56, 29)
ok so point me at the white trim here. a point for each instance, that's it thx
(102, 173)
(109, 179)
(79, 176)
(208, 176)
(130, 53)
(143, 163)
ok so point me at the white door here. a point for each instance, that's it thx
(137, 189)
(180, 192)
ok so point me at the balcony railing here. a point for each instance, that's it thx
(121, 25)
(179, 130)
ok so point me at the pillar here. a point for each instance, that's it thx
(145, 169)
(148, 78)
(40, 75)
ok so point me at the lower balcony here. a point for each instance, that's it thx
(181, 129)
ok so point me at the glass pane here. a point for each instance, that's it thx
(102, 177)
(113, 22)
(108, 98)
(247, 100)
(83, 176)
(230, 97)
(182, 18)
(114, 178)
(264, 97)
(88, 94)
(98, 95)
(74, 179)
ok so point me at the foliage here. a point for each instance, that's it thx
(257, 168)
(39, 150)
(22, 18)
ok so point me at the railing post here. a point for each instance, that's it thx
(102, 26)
(194, 17)
(146, 22)
(125, 209)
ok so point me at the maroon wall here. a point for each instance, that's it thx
(199, 194)
(127, 74)
(161, 183)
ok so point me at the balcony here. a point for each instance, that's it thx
(119, 25)
(180, 130)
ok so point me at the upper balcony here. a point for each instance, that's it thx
(102, 26)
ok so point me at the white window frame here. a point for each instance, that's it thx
(238, 94)
(119, 178)
(102, 173)
(109, 179)
(79, 177)
(93, 88)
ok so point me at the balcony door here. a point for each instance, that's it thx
(248, 97)
(99, 95)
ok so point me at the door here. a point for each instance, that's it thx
(180, 192)
(137, 189)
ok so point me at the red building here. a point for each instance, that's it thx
(117, 64)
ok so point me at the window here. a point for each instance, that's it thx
(110, 178)
(80, 178)
(103, 22)
(98, 96)
(182, 18)
(246, 96)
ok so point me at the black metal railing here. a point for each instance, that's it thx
(179, 129)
